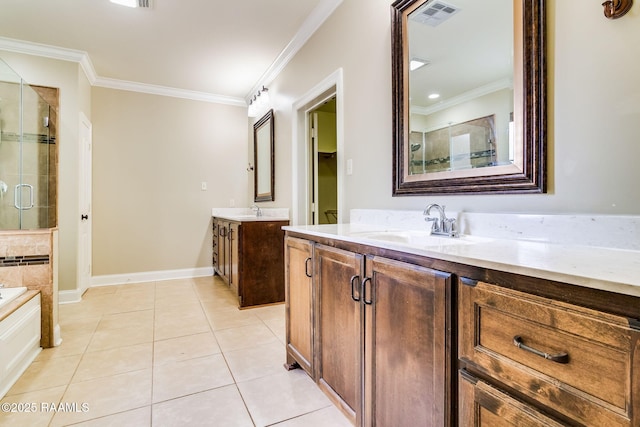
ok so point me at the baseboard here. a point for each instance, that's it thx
(72, 296)
(150, 276)
(68, 297)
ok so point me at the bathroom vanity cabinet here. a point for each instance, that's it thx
(396, 339)
(362, 316)
(249, 257)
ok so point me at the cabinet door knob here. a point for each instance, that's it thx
(558, 357)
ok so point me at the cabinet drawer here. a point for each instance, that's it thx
(485, 406)
(573, 360)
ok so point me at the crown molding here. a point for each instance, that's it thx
(168, 91)
(83, 59)
(317, 17)
(506, 83)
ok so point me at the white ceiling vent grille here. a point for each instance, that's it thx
(434, 13)
(144, 3)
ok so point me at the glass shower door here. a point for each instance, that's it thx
(25, 154)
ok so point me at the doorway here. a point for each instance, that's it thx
(307, 188)
(324, 163)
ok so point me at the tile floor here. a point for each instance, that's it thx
(168, 353)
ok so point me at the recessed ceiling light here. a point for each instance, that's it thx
(434, 96)
(416, 63)
(133, 3)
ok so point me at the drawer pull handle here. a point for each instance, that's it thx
(558, 358)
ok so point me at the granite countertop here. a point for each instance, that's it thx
(605, 268)
(248, 214)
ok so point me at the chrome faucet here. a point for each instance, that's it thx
(442, 225)
(257, 209)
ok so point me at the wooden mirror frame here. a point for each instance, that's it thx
(530, 106)
(266, 196)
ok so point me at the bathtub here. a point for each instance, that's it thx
(19, 333)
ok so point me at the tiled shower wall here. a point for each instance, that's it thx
(27, 259)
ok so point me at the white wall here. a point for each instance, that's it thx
(150, 155)
(593, 122)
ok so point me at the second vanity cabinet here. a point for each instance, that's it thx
(377, 328)
(249, 257)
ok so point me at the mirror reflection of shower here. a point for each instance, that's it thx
(28, 153)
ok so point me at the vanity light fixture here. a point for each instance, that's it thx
(133, 3)
(259, 102)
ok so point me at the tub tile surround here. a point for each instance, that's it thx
(595, 251)
(34, 245)
(249, 214)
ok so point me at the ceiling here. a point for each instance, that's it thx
(221, 48)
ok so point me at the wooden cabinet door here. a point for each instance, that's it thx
(222, 250)
(407, 338)
(482, 405)
(215, 247)
(232, 256)
(299, 303)
(339, 371)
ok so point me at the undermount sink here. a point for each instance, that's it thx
(421, 238)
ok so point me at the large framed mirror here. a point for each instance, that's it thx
(469, 96)
(263, 155)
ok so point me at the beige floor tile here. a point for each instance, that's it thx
(327, 417)
(38, 415)
(278, 327)
(132, 301)
(220, 407)
(126, 320)
(140, 417)
(221, 300)
(100, 290)
(46, 374)
(121, 337)
(244, 337)
(185, 377)
(144, 287)
(183, 348)
(114, 361)
(72, 343)
(281, 396)
(181, 326)
(269, 312)
(79, 325)
(106, 396)
(231, 318)
(255, 362)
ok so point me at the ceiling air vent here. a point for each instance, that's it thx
(144, 3)
(434, 13)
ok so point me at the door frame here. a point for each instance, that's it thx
(332, 85)
(85, 146)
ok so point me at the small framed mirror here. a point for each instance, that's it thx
(263, 153)
(469, 96)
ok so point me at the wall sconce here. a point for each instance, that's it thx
(614, 9)
(259, 102)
